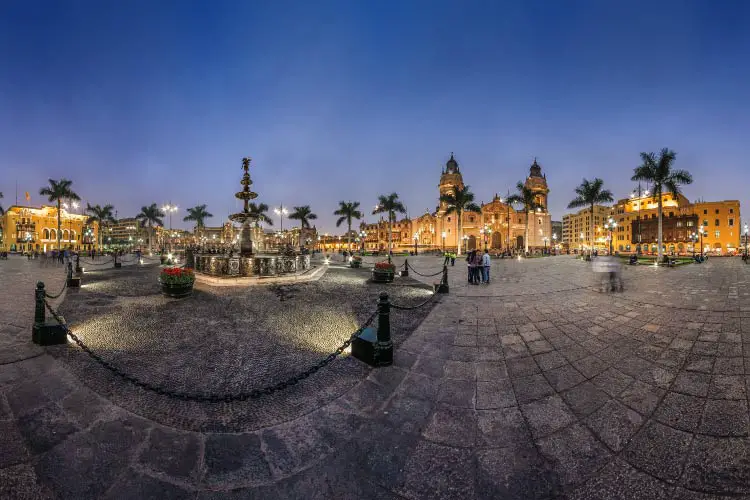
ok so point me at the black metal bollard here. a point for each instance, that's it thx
(384, 347)
(405, 272)
(78, 264)
(118, 265)
(45, 332)
(442, 287)
(372, 346)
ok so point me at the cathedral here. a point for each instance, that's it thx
(498, 226)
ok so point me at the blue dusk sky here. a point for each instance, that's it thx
(154, 101)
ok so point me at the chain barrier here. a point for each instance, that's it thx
(65, 285)
(206, 397)
(409, 308)
(425, 275)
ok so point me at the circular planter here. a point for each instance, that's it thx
(355, 264)
(176, 291)
(380, 276)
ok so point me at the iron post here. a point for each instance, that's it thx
(39, 313)
(384, 348)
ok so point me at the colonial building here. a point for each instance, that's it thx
(682, 222)
(497, 226)
(29, 229)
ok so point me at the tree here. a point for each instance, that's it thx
(304, 215)
(1, 207)
(198, 214)
(459, 201)
(348, 210)
(659, 172)
(590, 193)
(527, 199)
(389, 204)
(259, 211)
(150, 217)
(55, 192)
(100, 215)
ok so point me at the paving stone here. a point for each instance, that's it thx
(135, 485)
(724, 417)
(234, 458)
(547, 415)
(502, 428)
(719, 465)
(491, 371)
(614, 423)
(693, 383)
(45, 428)
(727, 387)
(612, 381)
(12, 444)
(452, 426)
(531, 388)
(20, 481)
(564, 377)
(680, 411)
(585, 399)
(495, 395)
(642, 397)
(575, 453)
(620, 481)
(440, 472)
(171, 452)
(658, 450)
(420, 386)
(457, 392)
(515, 472)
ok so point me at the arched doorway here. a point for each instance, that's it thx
(496, 240)
(471, 243)
(519, 243)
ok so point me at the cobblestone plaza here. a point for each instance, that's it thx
(535, 386)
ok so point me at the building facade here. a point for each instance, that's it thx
(682, 225)
(32, 229)
(498, 226)
(576, 229)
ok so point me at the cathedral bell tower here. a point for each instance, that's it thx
(537, 183)
(449, 180)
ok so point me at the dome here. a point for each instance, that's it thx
(451, 167)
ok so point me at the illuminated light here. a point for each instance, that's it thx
(326, 261)
(519, 257)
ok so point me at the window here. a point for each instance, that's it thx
(717, 210)
(705, 222)
(471, 218)
(449, 219)
(716, 222)
(731, 210)
(671, 214)
(678, 224)
(716, 234)
(705, 211)
(690, 223)
(731, 222)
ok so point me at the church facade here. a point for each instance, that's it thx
(498, 226)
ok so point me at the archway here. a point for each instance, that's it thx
(519, 243)
(497, 240)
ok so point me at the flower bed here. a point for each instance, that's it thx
(176, 282)
(356, 261)
(383, 272)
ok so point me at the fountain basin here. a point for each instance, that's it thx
(253, 266)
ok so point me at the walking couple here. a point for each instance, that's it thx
(479, 267)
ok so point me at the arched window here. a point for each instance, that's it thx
(53, 234)
(64, 234)
(45, 234)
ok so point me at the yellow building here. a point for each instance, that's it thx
(637, 225)
(24, 229)
(498, 226)
(576, 231)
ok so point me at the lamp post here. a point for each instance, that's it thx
(416, 240)
(610, 225)
(544, 240)
(702, 228)
(581, 246)
(554, 241)
(746, 242)
(694, 239)
(281, 211)
(640, 195)
(363, 236)
(443, 241)
(170, 209)
(466, 242)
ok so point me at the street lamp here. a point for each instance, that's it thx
(610, 225)
(694, 239)
(443, 241)
(581, 246)
(545, 239)
(466, 242)
(363, 236)
(554, 241)
(170, 209)
(416, 240)
(281, 211)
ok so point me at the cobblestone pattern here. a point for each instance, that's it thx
(555, 391)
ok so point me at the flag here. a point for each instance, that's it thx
(28, 197)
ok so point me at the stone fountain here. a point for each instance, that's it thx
(247, 263)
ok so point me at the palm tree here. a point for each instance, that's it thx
(348, 210)
(259, 211)
(198, 214)
(389, 204)
(100, 215)
(590, 193)
(150, 217)
(459, 201)
(304, 215)
(1, 207)
(55, 192)
(527, 199)
(658, 171)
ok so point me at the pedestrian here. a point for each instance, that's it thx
(470, 264)
(486, 268)
(477, 278)
(447, 256)
(453, 258)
